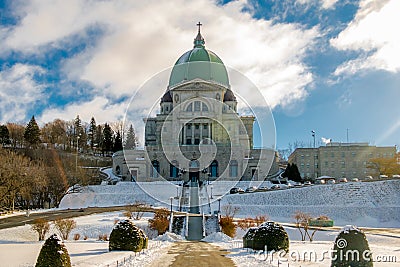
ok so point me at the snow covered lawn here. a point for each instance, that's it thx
(303, 253)
(19, 245)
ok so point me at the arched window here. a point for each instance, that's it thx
(197, 106)
(189, 108)
(155, 169)
(233, 168)
(214, 169)
(173, 169)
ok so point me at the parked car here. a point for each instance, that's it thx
(251, 189)
(396, 176)
(298, 184)
(355, 180)
(343, 180)
(263, 188)
(276, 187)
(307, 183)
(331, 181)
(236, 190)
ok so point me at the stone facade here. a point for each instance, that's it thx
(197, 133)
(339, 160)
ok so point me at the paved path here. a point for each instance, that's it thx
(194, 254)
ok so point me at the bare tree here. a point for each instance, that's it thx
(229, 210)
(302, 221)
(16, 132)
(65, 226)
(41, 226)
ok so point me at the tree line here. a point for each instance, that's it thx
(87, 137)
(36, 164)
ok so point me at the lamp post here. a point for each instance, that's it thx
(211, 187)
(171, 199)
(219, 206)
(76, 162)
(204, 171)
(313, 135)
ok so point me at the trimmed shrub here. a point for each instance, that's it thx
(126, 236)
(351, 249)
(53, 253)
(269, 235)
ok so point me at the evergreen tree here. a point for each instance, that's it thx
(4, 135)
(53, 253)
(131, 140)
(296, 177)
(292, 173)
(118, 142)
(79, 134)
(32, 133)
(92, 133)
(107, 139)
(99, 137)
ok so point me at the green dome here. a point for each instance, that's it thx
(199, 63)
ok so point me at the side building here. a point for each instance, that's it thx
(350, 160)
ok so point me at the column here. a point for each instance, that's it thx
(192, 133)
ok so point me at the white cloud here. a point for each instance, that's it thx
(140, 38)
(19, 91)
(373, 32)
(325, 4)
(109, 111)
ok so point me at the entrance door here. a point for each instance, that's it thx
(194, 176)
(134, 175)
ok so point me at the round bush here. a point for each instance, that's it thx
(269, 235)
(53, 253)
(351, 249)
(126, 236)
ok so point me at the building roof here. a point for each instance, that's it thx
(229, 96)
(199, 63)
(167, 97)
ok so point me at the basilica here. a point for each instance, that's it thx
(197, 134)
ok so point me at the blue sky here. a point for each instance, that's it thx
(323, 65)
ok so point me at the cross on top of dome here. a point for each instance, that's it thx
(199, 40)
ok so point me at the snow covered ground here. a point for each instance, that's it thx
(385, 250)
(372, 204)
(19, 245)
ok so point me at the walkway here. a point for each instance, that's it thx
(194, 254)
